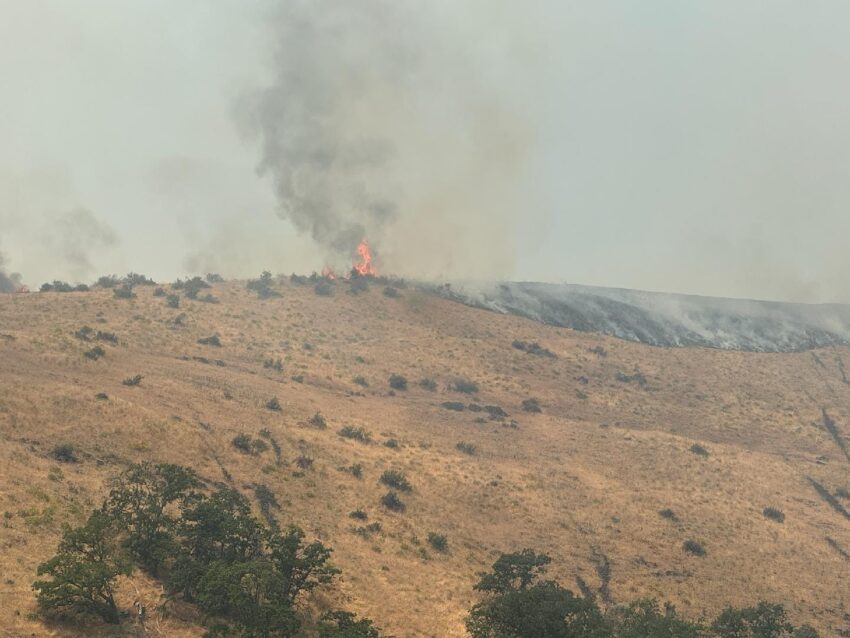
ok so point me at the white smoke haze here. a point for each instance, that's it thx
(702, 148)
(50, 236)
(377, 126)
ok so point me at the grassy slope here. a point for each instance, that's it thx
(582, 480)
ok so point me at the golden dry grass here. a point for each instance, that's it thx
(584, 478)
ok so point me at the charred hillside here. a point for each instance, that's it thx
(662, 319)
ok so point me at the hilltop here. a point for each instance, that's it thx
(626, 431)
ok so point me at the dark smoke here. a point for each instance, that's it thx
(9, 282)
(378, 123)
(333, 57)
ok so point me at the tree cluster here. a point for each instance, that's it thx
(247, 578)
(518, 603)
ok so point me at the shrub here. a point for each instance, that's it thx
(396, 479)
(774, 514)
(495, 412)
(263, 286)
(693, 547)
(102, 396)
(699, 450)
(208, 298)
(212, 340)
(304, 462)
(273, 364)
(391, 501)
(466, 448)
(95, 353)
(391, 443)
(531, 405)
(344, 624)
(361, 381)
(398, 382)
(842, 492)
(532, 347)
(668, 514)
(323, 289)
(64, 453)
(351, 432)
(356, 470)
(638, 377)
(438, 541)
(214, 278)
(465, 386)
(106, 336)
(298, 378)
(273, 404)
(258, 446)
(84, 334)
(193, 286)
(457, 406)
(318, 421)
(242, 442)
(391, 292)
(172, 301)
(131, 381)
(84, 570)
(358, 285)
(124, 292)
(359, 514)
(599, 351)
(107, 281)
(428, 384)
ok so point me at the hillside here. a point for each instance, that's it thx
(583, 480)
(665, 319)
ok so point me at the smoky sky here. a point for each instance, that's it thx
(693, 147)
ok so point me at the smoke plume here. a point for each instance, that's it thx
(376, 125)
(9, 282)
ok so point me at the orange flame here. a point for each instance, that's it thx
(328, 272)
(365, 267)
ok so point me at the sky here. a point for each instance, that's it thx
(696, 147)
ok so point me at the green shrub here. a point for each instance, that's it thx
(428, 384)
(323, 289)
(668, 514)
(359, 514)
(466, 448)
(531, 405)
(398, 382)
(391, 292)
(95, 353)
(273, 404)
(212, 340)
(391, 443)
(64, 453)
(242, 442)
(361, 381)
(133, 381)
(391, 501)
(396, 479)
(214, 278)
(102, 396)
(774, 514)
(297, 378)
(304, 462)
(159, 292)
(438, 541)
(172, 301)
(693, 547)
(699, 450)
(466, 386)
(273, 364)
(351, 432)
(456, 406)
(317, 420)
(124, 292)
(356, 470)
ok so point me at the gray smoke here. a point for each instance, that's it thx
(9, 282)
(376, 125)
(76, 235)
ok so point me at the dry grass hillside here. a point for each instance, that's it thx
(583, 480)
